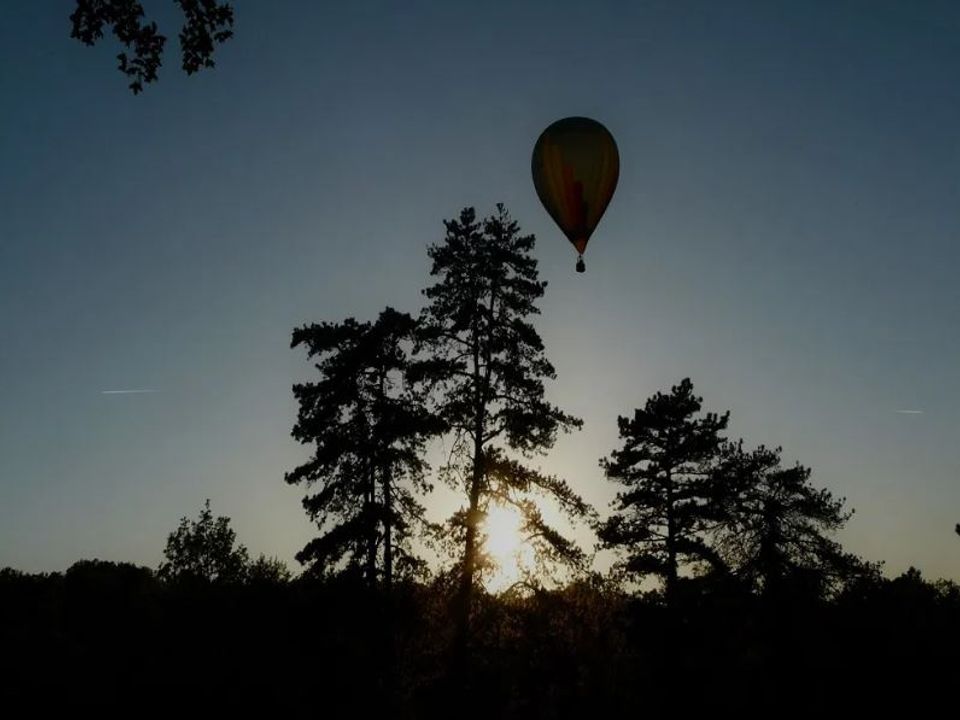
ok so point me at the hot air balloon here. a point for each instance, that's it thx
(575, 171)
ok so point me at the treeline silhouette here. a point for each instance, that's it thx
(728, 592)
(113, 635)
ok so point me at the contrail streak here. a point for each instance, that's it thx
(909, 412)
(138, 391)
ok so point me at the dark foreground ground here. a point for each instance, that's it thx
(111, 638)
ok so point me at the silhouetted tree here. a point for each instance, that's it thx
(268, 570)
(206, 23)
(669, 501)
(776, 525)
(487, 366)
(369, 426)
(204, 549)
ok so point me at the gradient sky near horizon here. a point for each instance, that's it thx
(785, 233)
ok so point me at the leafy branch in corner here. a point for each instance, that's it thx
(207, 23)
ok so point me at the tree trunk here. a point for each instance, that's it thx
(465, 594)
(387, 530)
(670, 581)
(372, 528)
(769, 560)
(470, 545)
(465, 591)
(385, 480)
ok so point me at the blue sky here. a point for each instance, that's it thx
(785, 232)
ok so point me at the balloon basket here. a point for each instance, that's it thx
(580, 265)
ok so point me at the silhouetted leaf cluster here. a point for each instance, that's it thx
(205, 551)
(206, 23)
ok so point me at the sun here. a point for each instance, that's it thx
(505, 546)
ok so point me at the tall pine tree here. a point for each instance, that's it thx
(368, 428)
(776, 529)
(661, 517)
(486, 364)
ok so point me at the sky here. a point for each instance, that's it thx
(785, 233)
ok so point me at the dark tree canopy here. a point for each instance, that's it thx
(206, 23)
(268, 571)
(486, 365)
(204, 550)
(368, 426)
(776, 526)
(661, 517)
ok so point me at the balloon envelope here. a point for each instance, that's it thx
(575, 170)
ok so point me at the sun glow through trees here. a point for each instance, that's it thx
(505, 547)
